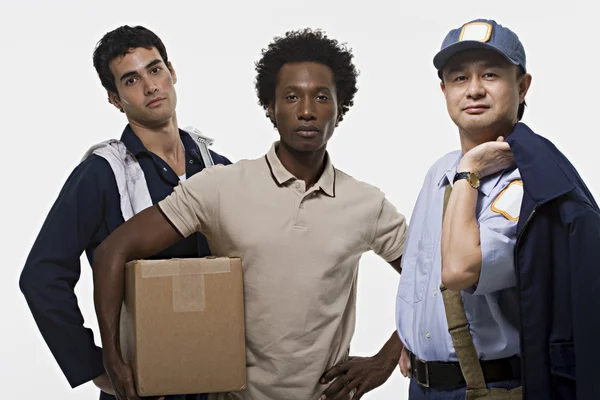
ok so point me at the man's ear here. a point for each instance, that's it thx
(113, 99)
(443, 87)
(524, 84)
(338, 118)
(172, 70)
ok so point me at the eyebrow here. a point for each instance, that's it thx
(485, 64)
(133, 73)
(318, 89)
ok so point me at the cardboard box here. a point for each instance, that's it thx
(182, 325)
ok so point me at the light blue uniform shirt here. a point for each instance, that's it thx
(491, 306)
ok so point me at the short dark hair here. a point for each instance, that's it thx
(521, 110)
(118, 43)
(306, 45)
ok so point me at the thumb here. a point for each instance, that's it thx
(500, 139)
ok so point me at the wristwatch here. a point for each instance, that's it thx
(471, 177)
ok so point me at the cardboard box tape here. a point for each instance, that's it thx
(188, 280)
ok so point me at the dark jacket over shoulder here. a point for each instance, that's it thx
(557, 259)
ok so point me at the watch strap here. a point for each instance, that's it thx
(461, 175)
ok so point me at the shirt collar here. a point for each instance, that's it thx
(132, 142)
(327, 180)
(281, 175)
(135, 145)
(447, 175)
(188, 143)
(486, 186)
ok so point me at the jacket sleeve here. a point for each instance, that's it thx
(584, 248)
(219, 159)
(52, 270)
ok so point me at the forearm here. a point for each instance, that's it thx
(61, 323)
(109, 282)
(392, 349)
(145, 234)
(461, 245)
(397, 264)
(49, 277)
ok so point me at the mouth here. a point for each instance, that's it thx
(476, 109)
(155, 102)
(307, 131)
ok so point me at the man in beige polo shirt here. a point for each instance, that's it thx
(299, 225)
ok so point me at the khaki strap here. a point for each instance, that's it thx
(458, 327)
(447, 194)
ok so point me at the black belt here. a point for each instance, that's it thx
(447, 375)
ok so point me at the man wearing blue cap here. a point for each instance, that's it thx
(500, 230)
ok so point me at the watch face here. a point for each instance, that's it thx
(474, 180)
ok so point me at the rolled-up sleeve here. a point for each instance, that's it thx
(498, 235)
(498, 238)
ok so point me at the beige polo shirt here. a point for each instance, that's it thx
(300, 251)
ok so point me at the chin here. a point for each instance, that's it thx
(161, 116)
(306, 145)
(475, 123)
(157, 121)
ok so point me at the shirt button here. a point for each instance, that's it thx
(434, 293)
(302, 206)
(297, 185)
(428, 335)
(165, 169)
(191, 161)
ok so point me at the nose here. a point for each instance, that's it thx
(306, 109)
(476, 89)
(150, 86)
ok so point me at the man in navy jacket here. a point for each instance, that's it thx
(557, 260)
(133, 67)
(550, 255)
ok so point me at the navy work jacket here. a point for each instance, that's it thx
(557, 261)
(87, 210)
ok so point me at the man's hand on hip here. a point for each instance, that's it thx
(404, 363)
(361, 373)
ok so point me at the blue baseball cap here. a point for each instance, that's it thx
(481, 34)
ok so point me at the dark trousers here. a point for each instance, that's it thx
(416, 392)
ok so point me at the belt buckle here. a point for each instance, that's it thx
(425, 382)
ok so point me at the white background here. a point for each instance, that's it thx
(53, 108)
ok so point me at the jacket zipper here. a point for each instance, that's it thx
(525, 225)
(518, 273)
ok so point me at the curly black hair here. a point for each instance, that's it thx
(119, 42)
(301, 46)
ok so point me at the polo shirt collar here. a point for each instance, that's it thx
(281, 175)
